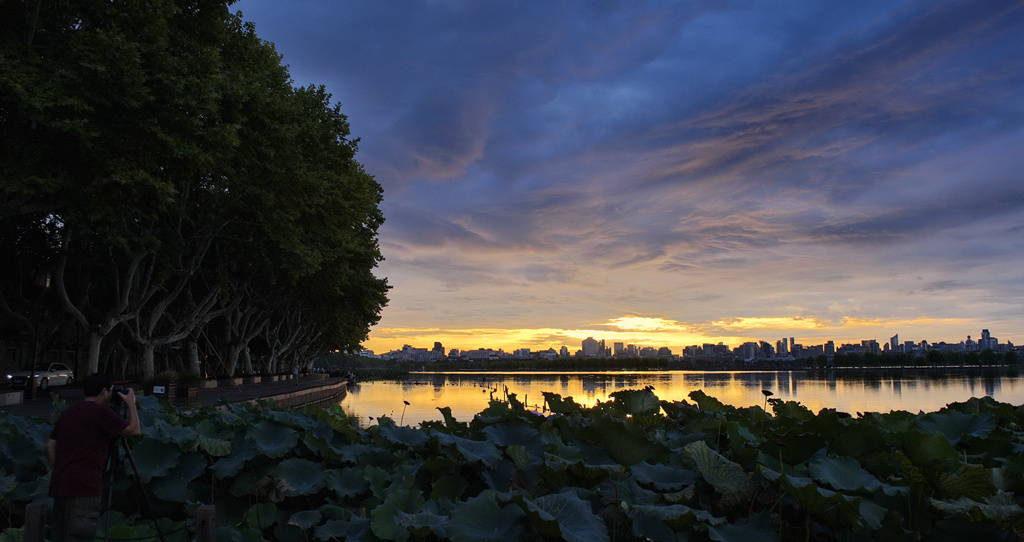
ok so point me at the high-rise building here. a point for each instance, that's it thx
(618, 349)
(894, 343)
(590, 347)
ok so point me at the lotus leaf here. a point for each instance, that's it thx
(508, 434)
(348, 482)
(872, 514)
(706, 402)
(649, 528)
(573, 517)
(676, 516)
(353, 530)
(927, 449)
(663, 477)
(154, 458)
(174, 486)
(273, 439)
(23, 453)
(637, 402)
(233, 534)
(834, 508)
(253, 482)
(448, 487)
(353, 454)
(968, 481)
(858, 440)
(728, 478)
(519, 456)
(626, 491)
(472, 450)
(495, 411)
(625, 440)
(261, 516)
(7, 484)
(162, 431)
(213, 446)
(12, 535)
(406, 436)
(679, 410)
(791, 410)
(1000, 509)
(897, 421)
(291, 418)
(759, 529)
(305, 519)
(378, 479)
(484, 519)
(558, 405)
(843, 474)
(297, 476)
(955, 425)
(232, 464)
(393, 518)
(336, 419)
(450, 422)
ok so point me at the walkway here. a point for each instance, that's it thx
(309, 389)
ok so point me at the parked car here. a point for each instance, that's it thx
(54, 374)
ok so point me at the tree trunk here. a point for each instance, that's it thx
(92, 364)
(148, 360)
(247, 360)
(192, 357)
(233, 352)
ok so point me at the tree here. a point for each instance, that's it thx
(160, 161)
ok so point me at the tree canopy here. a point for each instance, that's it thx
(157, 160)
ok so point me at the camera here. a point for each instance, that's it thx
(115, 399)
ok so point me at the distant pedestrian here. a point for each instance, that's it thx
(295, 374)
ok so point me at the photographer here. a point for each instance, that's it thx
(78, 450)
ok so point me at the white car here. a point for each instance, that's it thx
(54, 374)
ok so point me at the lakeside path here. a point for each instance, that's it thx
(309, 389)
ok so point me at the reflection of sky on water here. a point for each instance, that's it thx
(468, 393)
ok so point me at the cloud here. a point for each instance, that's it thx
(715, 164)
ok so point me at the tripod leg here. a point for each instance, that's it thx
(111, 463)
(142, 488)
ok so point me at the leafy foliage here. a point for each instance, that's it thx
(620, 470)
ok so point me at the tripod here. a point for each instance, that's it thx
(114, 461)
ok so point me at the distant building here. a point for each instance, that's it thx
(590, 347)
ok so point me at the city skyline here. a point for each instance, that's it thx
(681, 173)
(984, 339)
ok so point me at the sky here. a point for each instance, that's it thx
(679, 173)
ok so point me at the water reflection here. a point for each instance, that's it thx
(847, 391)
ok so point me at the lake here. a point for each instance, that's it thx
(468, 393)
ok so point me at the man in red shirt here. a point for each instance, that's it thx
(78, 450)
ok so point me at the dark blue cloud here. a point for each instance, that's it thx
(657, 146)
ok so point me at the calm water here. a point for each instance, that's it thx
(468, 393)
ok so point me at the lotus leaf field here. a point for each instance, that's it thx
(632, 468)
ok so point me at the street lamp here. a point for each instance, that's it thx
(43, 283)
